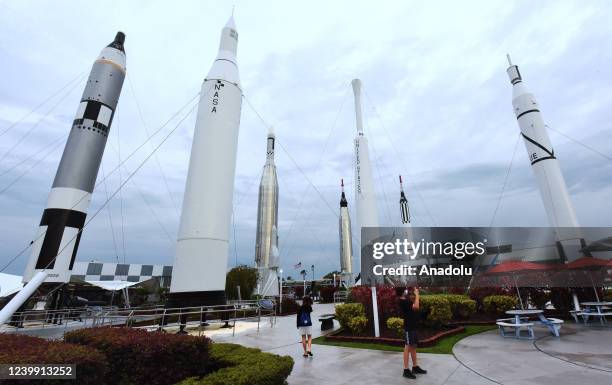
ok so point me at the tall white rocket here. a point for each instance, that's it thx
(365, 195)
(200, 263)
(545, 165)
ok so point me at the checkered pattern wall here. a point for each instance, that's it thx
(109, 271)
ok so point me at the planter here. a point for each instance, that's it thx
(427, 342)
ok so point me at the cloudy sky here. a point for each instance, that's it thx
(437, 110)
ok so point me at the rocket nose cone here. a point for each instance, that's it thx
(231, 23)
(118, 42)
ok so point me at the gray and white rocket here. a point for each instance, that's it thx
(267, 222)
(346, 238)
(56, 244)
(200, 262)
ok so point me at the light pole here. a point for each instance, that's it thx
(313, 281)
(334, 279)
(280, 300)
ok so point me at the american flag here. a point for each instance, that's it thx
(298, 265)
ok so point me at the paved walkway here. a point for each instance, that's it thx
(583, 355)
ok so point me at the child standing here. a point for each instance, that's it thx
(409, 306)
(304, 325)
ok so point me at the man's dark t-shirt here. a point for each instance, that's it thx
(410, 316)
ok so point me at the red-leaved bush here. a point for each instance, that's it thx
(387, 301)
(91, 365)
(327, 293)
(136, 356)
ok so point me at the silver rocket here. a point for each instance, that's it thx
(56, 244)
(267, 219)
(346, 241)
(200, 262)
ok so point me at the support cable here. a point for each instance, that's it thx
(27, 115)
(29, 131)
(397, 153)
(22, 251)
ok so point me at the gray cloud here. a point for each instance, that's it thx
(438, 111)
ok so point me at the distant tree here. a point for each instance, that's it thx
(289, 278)
(330, 275)
(243, 276)
(303, 274)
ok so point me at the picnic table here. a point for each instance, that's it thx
(595, 309)
(521, 321)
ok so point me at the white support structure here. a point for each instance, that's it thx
(20, 298)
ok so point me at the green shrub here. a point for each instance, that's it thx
(396, 324)
(462, 306)
(436, 309)
(348, 311)
(236, 365)
(136, 356)
(498, 304)
(91, 365)
(357, 325)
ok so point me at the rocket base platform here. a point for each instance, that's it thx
(196, 298)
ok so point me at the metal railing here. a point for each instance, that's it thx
(151, 318)
(340, 296)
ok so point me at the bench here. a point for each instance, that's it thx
(586, 314)
(517, 328)
(327, 321)
(554, 324)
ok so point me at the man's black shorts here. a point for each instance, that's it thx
(410, 338)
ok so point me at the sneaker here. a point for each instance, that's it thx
(408, 374)
(418, 370)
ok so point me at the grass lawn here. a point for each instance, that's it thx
(444, 346)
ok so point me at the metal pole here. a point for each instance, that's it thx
(375, 310)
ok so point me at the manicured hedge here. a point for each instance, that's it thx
(236, 365)
(397, 325)
(136, 356)
(346, 312)
(462, 307)
(91, 365)
(499, 304)
(436, 309)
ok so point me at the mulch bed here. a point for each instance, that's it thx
(427, 337)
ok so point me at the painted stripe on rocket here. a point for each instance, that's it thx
(56, 221)
(551, 152)
(95, 114)
(66, 208)
(404, 209)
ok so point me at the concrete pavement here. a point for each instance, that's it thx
(582, 355)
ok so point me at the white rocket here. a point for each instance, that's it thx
(365, 195)
(266, 244)
(200, 263)
(545, 165)
(346, 241)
